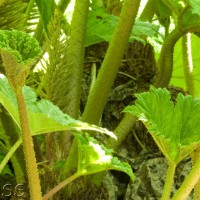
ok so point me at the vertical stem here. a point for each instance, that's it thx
(187, 63)
(195, 155)
(189, 80)
(107, 74)
(31, 165)
(75, 66)
(169, 181)
(149, 11)
(189, 183)
(76, 56)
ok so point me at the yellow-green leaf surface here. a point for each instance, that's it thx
(93, 158)
(174, 127)
(44, 116)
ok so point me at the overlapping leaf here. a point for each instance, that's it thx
(101, 26)
(93, 158)
(43, 115)
(175, 128)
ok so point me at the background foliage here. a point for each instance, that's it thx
(82, 67)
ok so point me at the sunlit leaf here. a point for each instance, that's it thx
(44, 116)
(175, 128)
(93, 158)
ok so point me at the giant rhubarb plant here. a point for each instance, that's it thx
(18, 52)
(175, 128)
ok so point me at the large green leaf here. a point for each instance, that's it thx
(43, 115)
(175, 128)
(101, 26)
(93, 158)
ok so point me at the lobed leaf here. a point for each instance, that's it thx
(175, 128)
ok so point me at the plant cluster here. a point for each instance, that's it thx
(41, 64)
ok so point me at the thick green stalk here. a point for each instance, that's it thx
(121, 131)
(169, 181)
(149, 11)
(76, 56)
(107, 74)
(189, 80)
(31, 165)
(187, 64)
(74, 67)
(165, 62)
(189, 183)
